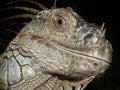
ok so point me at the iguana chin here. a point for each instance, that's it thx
(56, 50)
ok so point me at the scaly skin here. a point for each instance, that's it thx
(57, 50)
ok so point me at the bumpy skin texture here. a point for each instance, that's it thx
(57, 50)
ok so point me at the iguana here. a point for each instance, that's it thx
(56, 50)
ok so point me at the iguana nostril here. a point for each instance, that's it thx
(95, 39)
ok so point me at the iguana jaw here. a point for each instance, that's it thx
(69, 50)
(80, 53)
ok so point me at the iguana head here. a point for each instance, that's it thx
(72, 47)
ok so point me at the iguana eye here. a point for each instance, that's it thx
(60, 22)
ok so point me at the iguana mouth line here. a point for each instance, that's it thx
(47, 40)
(80, 53)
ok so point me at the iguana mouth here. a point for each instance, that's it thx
(80, 53)
(47, 40)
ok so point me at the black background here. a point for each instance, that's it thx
(94, 11)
